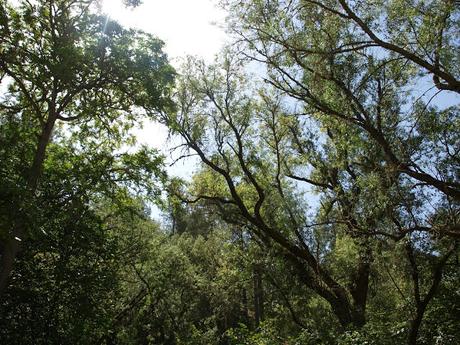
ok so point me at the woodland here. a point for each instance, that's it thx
(324, 209)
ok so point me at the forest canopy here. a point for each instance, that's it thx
(324, 208)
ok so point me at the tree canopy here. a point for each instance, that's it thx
(324, 208)
(64, 66)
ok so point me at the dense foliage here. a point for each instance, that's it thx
(325, 208)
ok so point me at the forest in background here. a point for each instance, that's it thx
(325, 207)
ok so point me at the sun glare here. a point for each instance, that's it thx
(186, 26)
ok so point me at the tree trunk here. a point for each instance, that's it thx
(10, 250)
(245, 308)
(335, 295)
(13, 244)
(422, 303)
(360, 287)
(415, 326)
(258, 295)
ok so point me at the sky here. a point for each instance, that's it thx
(188, 27)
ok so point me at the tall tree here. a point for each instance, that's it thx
(358, 69)
(258, 150)
(248, 156)
(63, 64)
(353, 61)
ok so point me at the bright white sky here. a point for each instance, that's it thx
(188, 27)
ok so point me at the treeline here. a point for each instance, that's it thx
(325, 209)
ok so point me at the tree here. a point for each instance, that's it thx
(328, 55)
(63, 64)
(211, 107)
(324, 210)
(256, 151)
(67, 284)
(356, 68)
